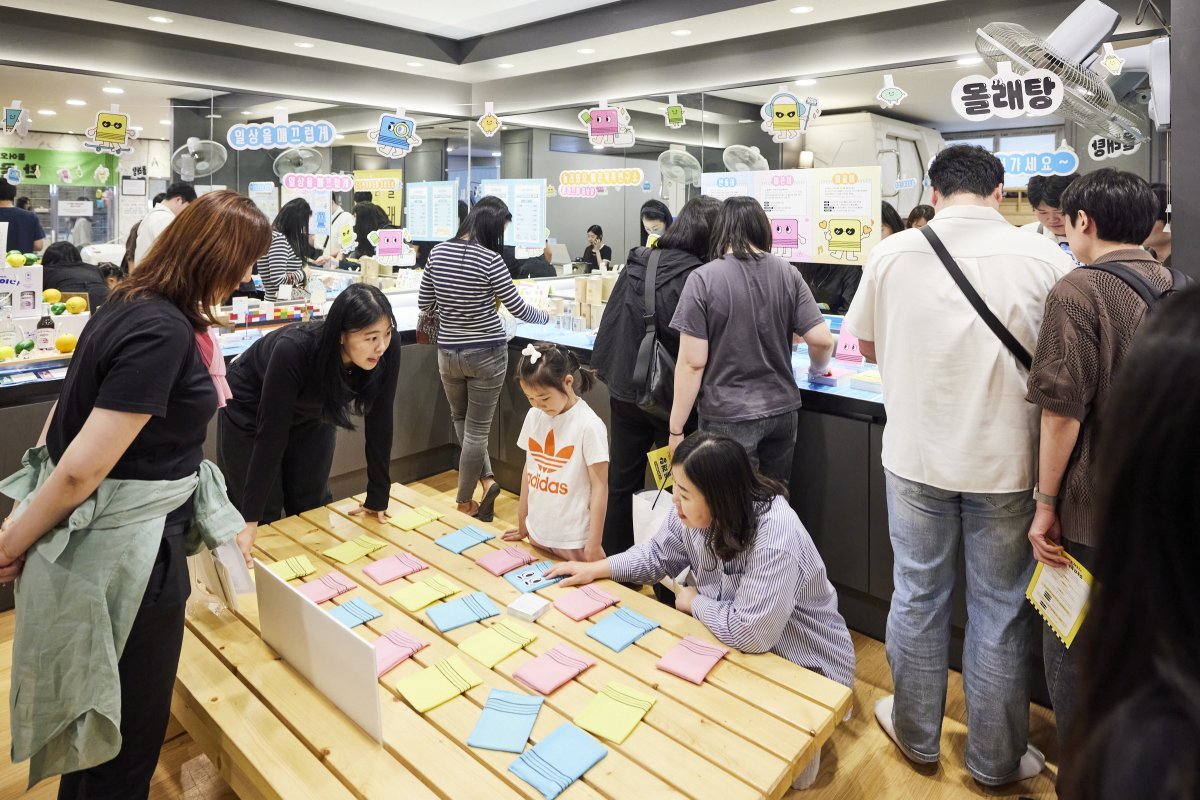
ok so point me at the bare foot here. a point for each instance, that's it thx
(470, 508)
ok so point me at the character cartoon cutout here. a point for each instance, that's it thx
(890, 95)
(608, 127)
(785, 117)
(845, 237)
(110, 134)
(785, 237)
(674, 116)
(395, 137)
(488, 124)
(16, 120)
(13, 176)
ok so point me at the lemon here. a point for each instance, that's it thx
(51, 296)
(7, 352)
(76, 305)
(15, 260)
(65, 343)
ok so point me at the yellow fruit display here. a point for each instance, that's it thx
(65, 343)
(51, 296)
(76, 305)
(15, 260)
(7, 352)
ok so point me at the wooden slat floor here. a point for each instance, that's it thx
(859, 762)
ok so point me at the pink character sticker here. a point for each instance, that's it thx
(604, 122)
(391, 242)
(785, 233)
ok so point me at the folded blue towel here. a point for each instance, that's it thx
(621, 628)
(463, 539)
(554, 763)
(530, 578)
(462, 611)
(506, 722)
(355, 612)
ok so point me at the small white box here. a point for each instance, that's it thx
(528, 607)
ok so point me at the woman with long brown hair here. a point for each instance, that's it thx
(112, 503)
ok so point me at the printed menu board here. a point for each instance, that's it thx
(431, 210)
(829, 215)
(526, 199)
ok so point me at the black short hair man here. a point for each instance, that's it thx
(1045, 195)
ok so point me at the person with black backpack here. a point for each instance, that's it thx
(1092, 317)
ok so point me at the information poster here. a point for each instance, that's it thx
(265, 195)
(431, 210)
(321, 202)
(526, 199)
(386, 187)
(828, 215)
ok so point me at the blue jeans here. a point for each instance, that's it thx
(1062, 665)
(927, 526)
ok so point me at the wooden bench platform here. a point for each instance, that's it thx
(745, 733)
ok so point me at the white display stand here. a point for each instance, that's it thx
(328, 654)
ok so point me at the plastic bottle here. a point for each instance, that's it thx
(9, 335)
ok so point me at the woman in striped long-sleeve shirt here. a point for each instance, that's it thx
(463, 279)
(757, 581)
(291, 247)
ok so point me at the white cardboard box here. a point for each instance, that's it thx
(21, 290)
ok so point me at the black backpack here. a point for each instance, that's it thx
(1150, 295)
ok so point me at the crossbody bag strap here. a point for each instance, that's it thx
(648, 292)
(1131, 278)
(1002, 333)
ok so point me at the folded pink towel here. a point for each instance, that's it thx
(552, 669)
(499, 562)
(393, 648)
(210, 353)
(326, 587)
(392, 568)
(692, 659)
(584, 601)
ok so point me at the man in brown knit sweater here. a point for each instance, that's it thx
(1091, 318)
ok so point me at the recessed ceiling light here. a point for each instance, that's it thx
(681, 32)
(586, 51)
(597, 147)
(495, 154)
(136, 128)
(506, 66)
(164, 122)
(969, 61)
(76, 102)
(47, 112)
(801, 9)
(212, 116)
(340, 136)
(247, 113)
(70, 131)
(415, 64)
(806, 82)
(744, 121)
(161, 20)
(449, 149)
(113, 90)
(303, 45)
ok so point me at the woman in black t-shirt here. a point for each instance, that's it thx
(596, 250)
(135, 405)
(292, 390)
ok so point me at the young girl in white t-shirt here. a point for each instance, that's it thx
(564, 493)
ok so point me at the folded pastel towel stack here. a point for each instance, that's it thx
(552, 669)
(415, 518)
(562, 758)
(584, 601)
(531, 578)
(692, 659)
(291, 568)
(614, 712)
(326, 587)
(491, 646)
(394, 648)
(350, 551)
(499, 562)
(464, 611)
(463, 539)
(621, 628)
(417, 595)
(391, 568)
(355, 612)
(437, 684)
(506, 722)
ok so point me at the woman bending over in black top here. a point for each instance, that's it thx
(292, 390)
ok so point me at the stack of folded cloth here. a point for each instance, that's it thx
(554, 763)
(584, 601)
(552, 669)
(692, 659)
(392, 568)
(353, 550)
(491, 646)
(415, 518)
(417, 595)
(614, 712)
(437, 684)
(355, 612)
(621, 628)
(326, 587)
(532, 578)
(456, 613)
(463, 539)
(291, 568)
(393, 648)
(506, 722)
(499, 562)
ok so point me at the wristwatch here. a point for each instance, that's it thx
(1045, 499)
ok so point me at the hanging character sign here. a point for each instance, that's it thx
(110, 134)
(1037, 93)
(16, 119)
(489, 123)
(785, 117)
(608, 127)
(890, 95)
(1111, 61)
(395, 136)
(1101, 148)
(673, 113)
(1062, 161)
(281, 134)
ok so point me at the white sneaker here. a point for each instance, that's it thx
(883, 715)
(1032, 764)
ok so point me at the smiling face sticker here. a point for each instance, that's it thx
(112, 128)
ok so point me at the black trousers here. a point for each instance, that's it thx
(303, 480)
(147, 671)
